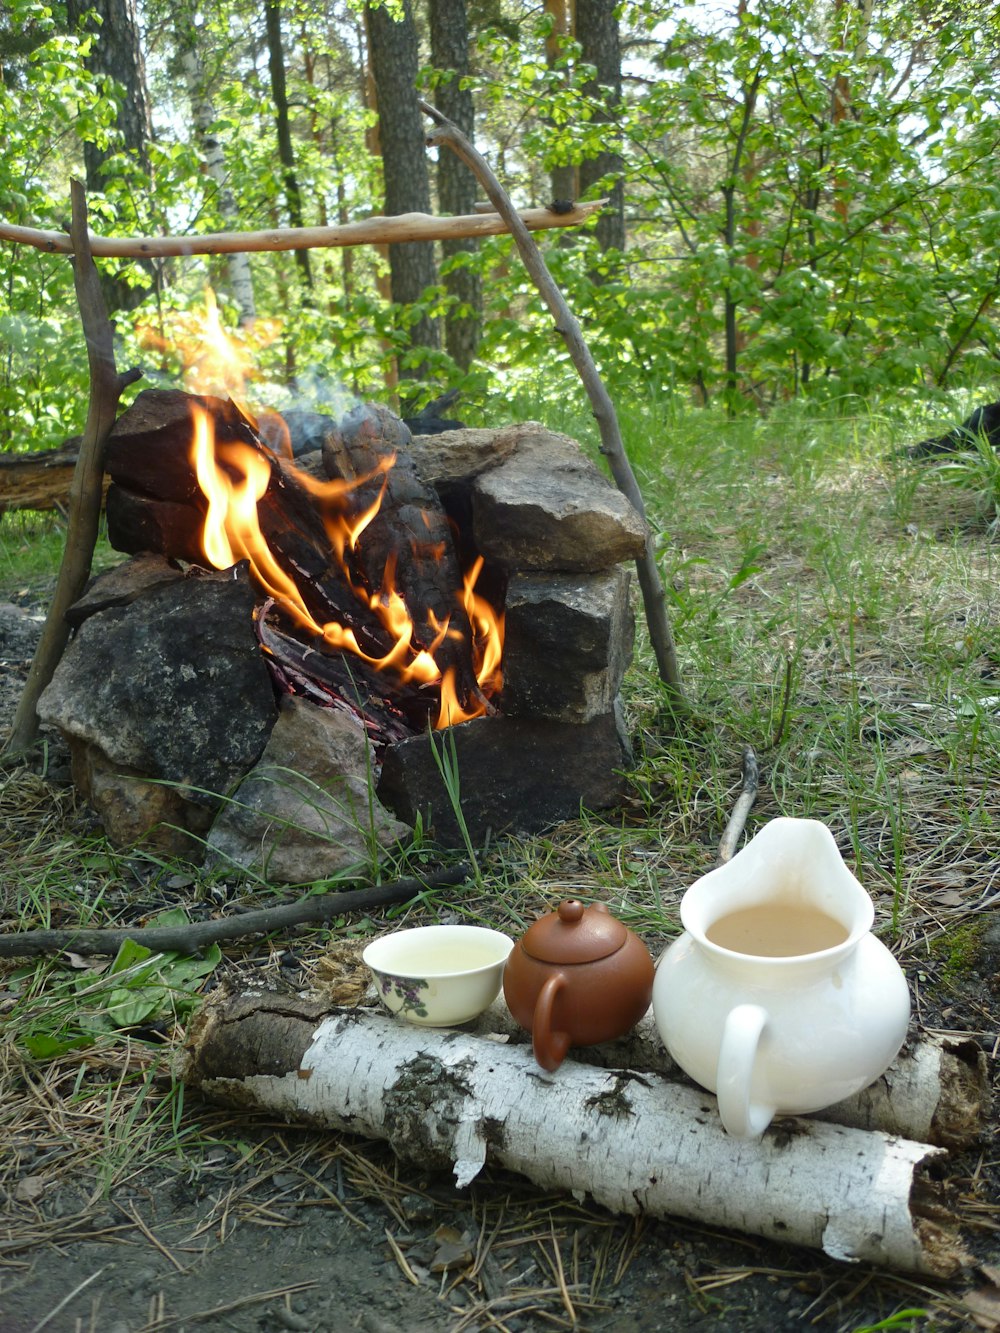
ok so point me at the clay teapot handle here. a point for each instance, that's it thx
(549, 1047)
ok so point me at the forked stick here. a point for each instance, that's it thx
(612, 445)
(85, 492)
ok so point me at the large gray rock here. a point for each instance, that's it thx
(171, 686)
(514, 775)
(306, 811)
(567, 641)
(548, 507)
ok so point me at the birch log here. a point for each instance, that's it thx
(935, 1091)
(636, 1143)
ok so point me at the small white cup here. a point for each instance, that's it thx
(438, 976)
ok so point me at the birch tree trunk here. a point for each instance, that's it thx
(203, 116)
(635, 1144)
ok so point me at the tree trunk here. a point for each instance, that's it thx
(562, 19)
(117, 52)
(455, 183)
(203, 119)
(393, 53)
(636, 1145)
(597, 33)
(286, 151)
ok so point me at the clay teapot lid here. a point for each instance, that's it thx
(574, 934)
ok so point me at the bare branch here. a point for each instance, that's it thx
(87, 487)
(369, 231)
(192, 938)
(654, 601)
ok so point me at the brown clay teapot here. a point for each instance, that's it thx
(577, 977)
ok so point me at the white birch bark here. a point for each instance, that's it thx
(935, 1091)
(634, 1143)
(203, 116)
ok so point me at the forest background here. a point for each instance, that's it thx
(802, 197)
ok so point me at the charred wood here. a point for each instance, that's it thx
(408, 542)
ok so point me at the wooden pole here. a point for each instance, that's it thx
(86, 488)
(612, 445)
(369, 231)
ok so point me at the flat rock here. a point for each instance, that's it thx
(123, 584)
(548, 507)
(567, 641)
(515, 775)
(454, 457)
(306, 811)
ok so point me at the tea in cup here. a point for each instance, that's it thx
(438, 976)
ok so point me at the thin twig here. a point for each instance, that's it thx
(86, 488)
(44, 1323)
(612, 445)
(197, 935)
(369, 231)
(742, 808)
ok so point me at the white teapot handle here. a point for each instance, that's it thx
(741, 1117)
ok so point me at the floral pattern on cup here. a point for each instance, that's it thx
(406, 990)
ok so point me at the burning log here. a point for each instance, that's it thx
(408, 539)
(634, 1143)
(361, 562)
(155, 483)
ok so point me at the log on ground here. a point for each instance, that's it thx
(935, 1091)
(636, 1143)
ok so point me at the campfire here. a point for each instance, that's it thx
(314, 603)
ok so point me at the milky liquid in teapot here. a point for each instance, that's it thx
(777, 930)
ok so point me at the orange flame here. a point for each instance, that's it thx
(214, 360)
(233, 478)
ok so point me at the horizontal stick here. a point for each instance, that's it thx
(197, 935)
(369, 231)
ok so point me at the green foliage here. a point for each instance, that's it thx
(977, 469)
(811, 205)
(139, 987)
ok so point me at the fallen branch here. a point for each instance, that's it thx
(87, 488)
(742, 808)
(192, 938)
(635, 1143)
(612, 445)
(369, 231)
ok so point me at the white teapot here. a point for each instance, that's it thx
(777, 997)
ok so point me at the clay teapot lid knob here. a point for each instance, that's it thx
(574, 933)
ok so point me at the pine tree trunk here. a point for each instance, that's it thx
(117, 52)
(455, 183)
(597, 33)
(394, 64)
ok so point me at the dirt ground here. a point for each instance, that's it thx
(184, 1217)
